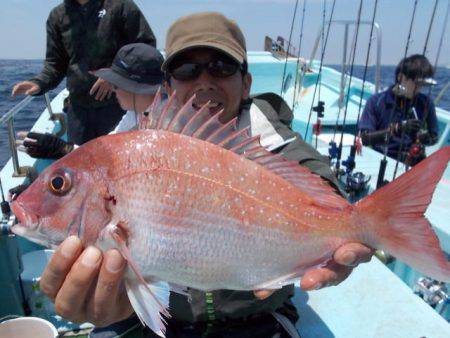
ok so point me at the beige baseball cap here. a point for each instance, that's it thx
(206, 29)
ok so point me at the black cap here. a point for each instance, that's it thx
(136, 68)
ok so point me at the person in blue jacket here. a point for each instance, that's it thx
(401, 118)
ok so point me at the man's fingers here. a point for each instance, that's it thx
(17, 89)
(352, 254)
(94, 88)
(109, 290)
(29, 142)
(59, 266)
(101, 93)
(72, 296)
(22, 134)
(326, 276)
(31, 91)
(263, 294)
(344, 259)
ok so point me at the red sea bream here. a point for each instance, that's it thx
(206, 209)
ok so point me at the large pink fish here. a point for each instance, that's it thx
(198, 204)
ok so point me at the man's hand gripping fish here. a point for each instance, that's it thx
(196, 203)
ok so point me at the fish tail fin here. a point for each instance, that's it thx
(395, 216)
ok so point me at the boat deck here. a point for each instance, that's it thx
(372, 302)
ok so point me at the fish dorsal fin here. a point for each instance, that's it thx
(299, 176)
(202, 125)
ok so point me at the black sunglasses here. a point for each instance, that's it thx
(191, 70)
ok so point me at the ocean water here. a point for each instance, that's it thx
(13, 71)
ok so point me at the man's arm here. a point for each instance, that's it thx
(56, 58)
(408, 127)
(136, 27)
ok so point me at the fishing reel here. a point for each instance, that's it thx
(349, 164)
(333, 150)
(8, 219)
(415, 154)
(356, 185)
(432, 292)
(357, 182)
(319, 109)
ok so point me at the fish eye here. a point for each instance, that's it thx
(60, 183)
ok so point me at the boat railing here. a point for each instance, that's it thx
(441, 94)
(347, 24)
(8, 119)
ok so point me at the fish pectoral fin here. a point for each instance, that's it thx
(150, 300)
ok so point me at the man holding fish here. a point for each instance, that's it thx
(206, 57)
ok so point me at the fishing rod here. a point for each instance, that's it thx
(6, 210)
(430, 27)
(417, 149)
(441, 40)
(320, 66)
(289, 47)
(345, 64)
(383, 163)
(320, 108)
(339, 155)
(350, 162)
(297, 81)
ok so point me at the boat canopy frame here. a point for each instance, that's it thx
(346, 24)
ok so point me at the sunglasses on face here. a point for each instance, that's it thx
(220, 68)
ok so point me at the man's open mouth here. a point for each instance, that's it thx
(213, 106)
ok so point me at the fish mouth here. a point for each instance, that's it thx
(34, 236)
(28, 221)
(28, 225)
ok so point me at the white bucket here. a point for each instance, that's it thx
(24, 327)
(34, 263)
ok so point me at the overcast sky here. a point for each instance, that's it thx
(22, 24)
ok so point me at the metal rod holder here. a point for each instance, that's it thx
(49, 106)
(8, 119)
(12, 147)
(441, 94)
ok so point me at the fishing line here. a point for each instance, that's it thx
(319, 109)
(366, 65)
(320, 66)
(289, 47)
(358, 24)
(391, 113)
(430, 27)
(344, 84)
(383, 162)
(415, 97)
(441, 40)
(297, 81)
(323, 51)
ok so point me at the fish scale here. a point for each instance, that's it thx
(189, 212)
(225, 227)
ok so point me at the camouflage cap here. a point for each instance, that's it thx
(207, 29)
